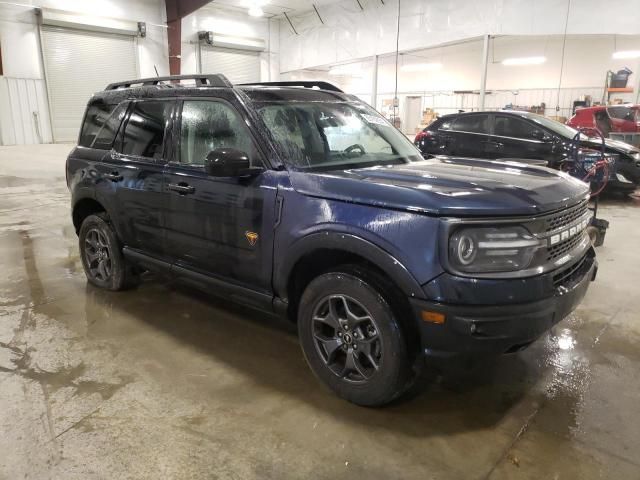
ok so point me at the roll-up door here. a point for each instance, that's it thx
(79, 63)
(239, 66)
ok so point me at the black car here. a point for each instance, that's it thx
(522, 135)
(307, 203)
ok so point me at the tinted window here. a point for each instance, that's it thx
(207, 126)
(95, 118)
(472, 123)
(106, 135)
(144, 132)
(513, 127)
(622, 113)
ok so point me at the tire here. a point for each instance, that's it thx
(345, 359)
(101, 255)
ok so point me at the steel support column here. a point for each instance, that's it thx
(485, 62)
(176, 11)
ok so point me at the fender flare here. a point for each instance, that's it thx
(347, 242)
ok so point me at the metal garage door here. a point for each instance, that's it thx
(239, 66)
(77, 64)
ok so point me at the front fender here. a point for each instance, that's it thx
(346, 242)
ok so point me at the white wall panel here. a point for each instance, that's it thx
(21, 98)
(350, 33)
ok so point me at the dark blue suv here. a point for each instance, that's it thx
(299, 199)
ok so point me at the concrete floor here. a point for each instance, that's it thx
(162, 383)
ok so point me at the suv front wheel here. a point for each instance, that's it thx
(351, 338)
(101, 254)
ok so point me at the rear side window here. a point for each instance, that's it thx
(97, 115)
(622, 113)
(106, 135)
(145, 129)
(472, 123)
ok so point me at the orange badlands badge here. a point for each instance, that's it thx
(252, 237)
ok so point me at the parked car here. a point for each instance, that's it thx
(307, 203)
(607, 119)
(522, 135)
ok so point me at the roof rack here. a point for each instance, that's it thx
(306, 84)
(217, 80)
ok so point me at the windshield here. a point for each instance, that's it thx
(557, 127)
(326, 136)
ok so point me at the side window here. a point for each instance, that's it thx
(621, 113)
(472, 123)
(208, 125)
(145, 129)
(97, 115)
(513, 127)
(106, 135)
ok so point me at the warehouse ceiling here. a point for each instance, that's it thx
(273, 8)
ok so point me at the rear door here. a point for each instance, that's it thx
(219, 226)
(468, 135)
(515, 137)
(135, 168)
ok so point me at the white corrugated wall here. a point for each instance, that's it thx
(24, 112)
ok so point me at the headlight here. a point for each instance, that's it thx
(492, 249)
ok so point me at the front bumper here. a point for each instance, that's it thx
(503, 328)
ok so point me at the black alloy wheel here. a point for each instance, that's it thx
(346, 336)
(351, 338)
(97, 256)
(101, 255)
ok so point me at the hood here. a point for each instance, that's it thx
(615, 145)
(448, 186)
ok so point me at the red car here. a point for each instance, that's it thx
(607, 119)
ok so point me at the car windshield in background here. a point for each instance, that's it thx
(557, 127)
(326, 136)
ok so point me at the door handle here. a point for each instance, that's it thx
(181, 188)
(114, 176)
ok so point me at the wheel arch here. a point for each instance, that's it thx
(320, 252)
(84, 207)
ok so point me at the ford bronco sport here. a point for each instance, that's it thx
(299, 199)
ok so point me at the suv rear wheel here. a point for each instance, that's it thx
(351, 338)
(101, 254)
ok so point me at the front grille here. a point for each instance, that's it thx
(563, 248)
(565, 217)
(570, 274)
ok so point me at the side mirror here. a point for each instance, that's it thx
(228, 162)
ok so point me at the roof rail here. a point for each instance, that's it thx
(303, 83)
(216, 80)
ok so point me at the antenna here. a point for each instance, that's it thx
(156, 69)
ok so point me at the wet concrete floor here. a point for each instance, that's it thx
(160, 382)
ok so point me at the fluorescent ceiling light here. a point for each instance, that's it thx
(524, 61)
(420, 67)
(627, 54)
(255, 11)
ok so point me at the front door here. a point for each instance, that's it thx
(219, 226)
